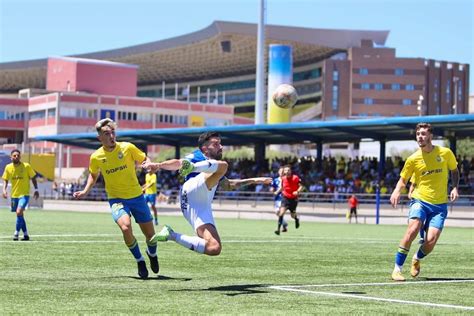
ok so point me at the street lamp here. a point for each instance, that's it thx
(420, 104)
(455, 105)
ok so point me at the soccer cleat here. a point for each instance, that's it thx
(142, 270)
(297, 223)
(154, 265)
(186, 168)
(398, 276)
(26, 238)
(277, 232)
(415, 268)
(15, 237)
(163, 235)
(285, 229)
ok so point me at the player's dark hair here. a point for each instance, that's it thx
(425, 125)
(15, 151)
(205, 137)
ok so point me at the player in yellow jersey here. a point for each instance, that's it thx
(149, 189)
(430, 167)
(19, 173)
(116, 162)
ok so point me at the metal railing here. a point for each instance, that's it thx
(254, 198)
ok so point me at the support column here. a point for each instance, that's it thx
(452, 145)
(381, 166)
(259, 152)
(177, 151)
(319, 151)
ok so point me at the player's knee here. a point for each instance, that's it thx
(126, 229)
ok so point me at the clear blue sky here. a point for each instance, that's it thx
(30, 29)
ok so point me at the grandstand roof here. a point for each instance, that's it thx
(200, 55)
(388, 129)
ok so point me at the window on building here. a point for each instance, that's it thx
(52, 112)
(363, 71)
(335, 97)
(399, 72)
(368, 101)
(459, 90)
(409, 87)
(37, 114)
(406, 102)
(365, 86)
(448, 91)
(395, 86)
(378, 86)
(335, 75)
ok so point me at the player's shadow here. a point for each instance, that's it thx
(240, 289)
(160, 278)
(445, 279)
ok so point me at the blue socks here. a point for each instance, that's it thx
(401, 256)
(151, 247)
(135, 250)
(21, 225)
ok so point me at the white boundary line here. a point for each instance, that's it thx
(379, 284)
(371, 298)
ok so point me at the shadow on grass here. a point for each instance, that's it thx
(445, 279)
(241, 289)
(158, 278)
(355, 293)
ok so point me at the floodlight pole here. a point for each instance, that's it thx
(260, 69)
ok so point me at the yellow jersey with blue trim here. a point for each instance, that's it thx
(20, 176)
(118, 169)
(430, 172)
(150, 179)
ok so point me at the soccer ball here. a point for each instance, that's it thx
(285, 96)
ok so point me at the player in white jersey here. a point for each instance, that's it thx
(204, 171)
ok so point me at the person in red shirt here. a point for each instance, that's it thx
(353, 202)
(290, 189)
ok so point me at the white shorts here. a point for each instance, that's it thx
(196, 200)
(277, 205)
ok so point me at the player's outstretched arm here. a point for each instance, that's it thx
(170, 165)
(91, 180)
(454, 194)
(5, 185)
(234, 183)
(395, 197)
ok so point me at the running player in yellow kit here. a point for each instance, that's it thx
(116, 162)
(430, 166)
(19, 173)
(149, 189)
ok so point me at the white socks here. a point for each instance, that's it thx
(194, 243)
(206, 166)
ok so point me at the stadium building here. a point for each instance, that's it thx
(208, 78)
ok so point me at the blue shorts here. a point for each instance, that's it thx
(431, 215)
(150, 198)
(135, 207)
(21, 202)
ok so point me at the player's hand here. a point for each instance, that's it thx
(454, 195)
(5, 194)
(395, 199)
(36, 195)
(296, 193)
(79, 194)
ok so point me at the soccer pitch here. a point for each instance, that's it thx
(77, 263)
